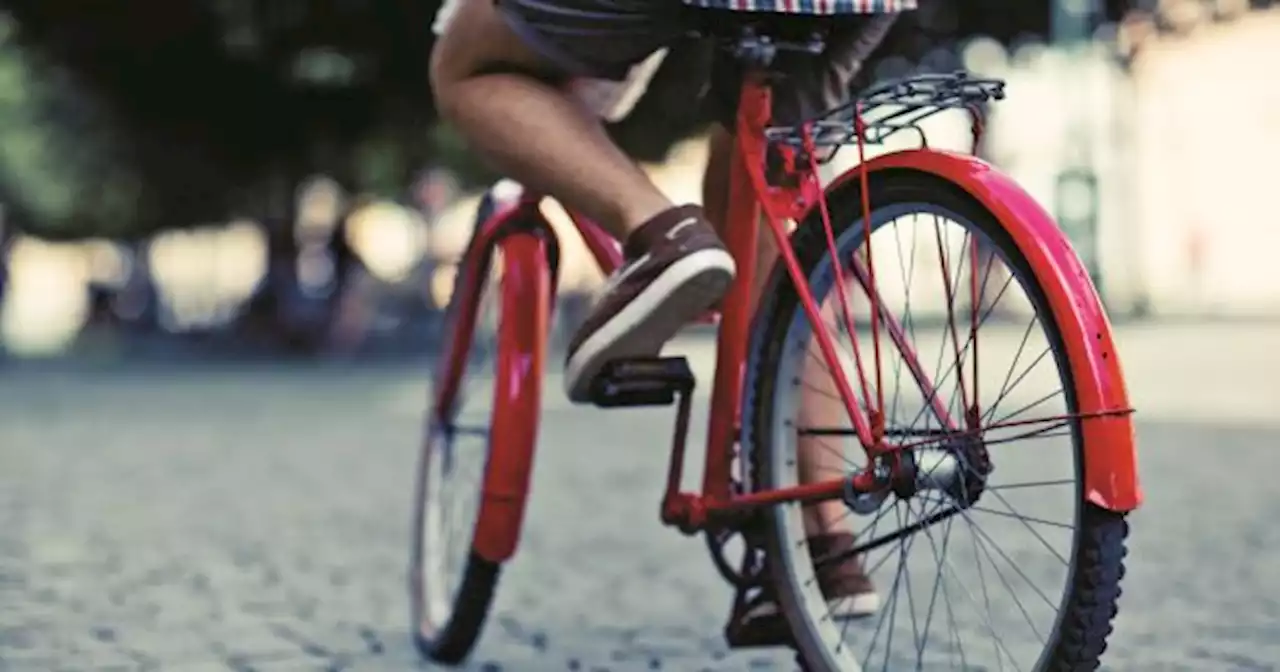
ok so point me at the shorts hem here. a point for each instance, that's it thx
(571, 66)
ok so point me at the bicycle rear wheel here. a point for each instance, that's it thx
(469, 499)
(963, 599)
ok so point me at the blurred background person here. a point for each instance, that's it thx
(131, 152)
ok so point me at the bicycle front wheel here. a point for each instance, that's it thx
(474, 471)
(1006, 565)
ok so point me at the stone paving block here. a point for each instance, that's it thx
(246, 521)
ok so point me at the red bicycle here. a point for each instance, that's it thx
(926, 444)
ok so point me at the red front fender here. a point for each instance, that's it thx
(522, 342)
(1111, 462)
(526, 290)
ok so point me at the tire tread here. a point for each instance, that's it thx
(1091, 606)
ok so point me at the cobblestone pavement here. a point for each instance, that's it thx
(189, 519)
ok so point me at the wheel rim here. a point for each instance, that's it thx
(953, 615)
(454, 453)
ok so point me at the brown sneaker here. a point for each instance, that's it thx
(849, 592)
(675, 269)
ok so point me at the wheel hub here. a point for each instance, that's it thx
(958, 467)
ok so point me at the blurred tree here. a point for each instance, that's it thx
(125, 117)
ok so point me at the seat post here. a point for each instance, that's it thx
(758, 51)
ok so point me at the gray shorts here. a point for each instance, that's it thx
(610, 48)
(607, 46)
(600, 39)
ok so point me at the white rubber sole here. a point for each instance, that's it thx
(842, 608)
(683, 292)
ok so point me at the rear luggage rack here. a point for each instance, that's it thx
(889, 108)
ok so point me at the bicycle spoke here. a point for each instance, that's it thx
(469, 430)
(946, 595)
(1048, 397)
(933, 597)
(1000, 575)
(1030, 484)
(907, 274)
(1049, 432)
(982, 535)
(1026, 521)
(1001, 400)
(1004, 386)
(941, 376)
(986, 599)
(987, 620)
(951, 320)
(1005, 392)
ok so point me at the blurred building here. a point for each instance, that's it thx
(1151, 142)
(1205, 124)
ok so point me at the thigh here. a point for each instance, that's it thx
(589, 39)
(475, 38)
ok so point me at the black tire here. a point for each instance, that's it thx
(452, 643)
(1088, 605)
(449, 642)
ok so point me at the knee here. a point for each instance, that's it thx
(455, 62)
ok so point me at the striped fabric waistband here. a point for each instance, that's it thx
(817, 7)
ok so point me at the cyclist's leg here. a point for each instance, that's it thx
(498, 73)
(814, 85)
(507, 99)
(821, 406)
(828, 524)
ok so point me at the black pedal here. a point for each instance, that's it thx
(642, 382)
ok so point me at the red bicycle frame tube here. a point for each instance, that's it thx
(750, 197)
(1111, 465)
(507, 478)
(1111, 462)
(1110, 477)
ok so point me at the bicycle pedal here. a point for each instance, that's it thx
(642, 382)
(769, 634)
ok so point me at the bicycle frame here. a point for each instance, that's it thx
(1110, 477)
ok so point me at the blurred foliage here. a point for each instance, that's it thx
(56, 173)
(122, 118)
(450, 150)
